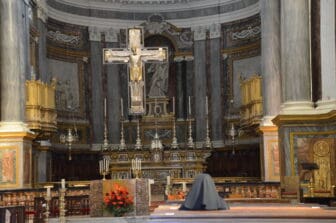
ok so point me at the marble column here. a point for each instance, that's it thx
(42, 41)
(97, 110)
(270, 59)
(270, 70)
(13, 64)
(189, 85)
(113, 90)
(180, 93)
(295, 57)
(328, 58)
(215, 104)
(15, 137)
(200, 84)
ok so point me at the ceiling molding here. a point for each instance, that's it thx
(182, 23)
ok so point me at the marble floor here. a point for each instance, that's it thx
(238, 213)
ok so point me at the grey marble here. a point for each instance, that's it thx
(113, 99)
(42, 51)
(244, 68)
(13, 60)
(328, 57)
(42, 166)
(295, 45)
(182, 14)
(295, 131)
(270, 56)
(180, 93)
(215, 105)
(26, 36)
(189, 86)
(200, 86)
(97, 106)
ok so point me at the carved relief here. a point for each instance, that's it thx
(321, 151)
(246, 33)
(57, 36)
(7, 165)
(158, 85)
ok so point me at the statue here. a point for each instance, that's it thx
(135, 55)
(159, 81)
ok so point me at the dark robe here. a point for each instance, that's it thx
(203, 195)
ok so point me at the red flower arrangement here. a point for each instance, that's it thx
(118, 202)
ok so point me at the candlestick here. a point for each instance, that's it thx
(206, 105)
(189, 105)
(63, 183)
(174, 105)
(121, 107)
(168, 180)
(105, 107)
(48, 191)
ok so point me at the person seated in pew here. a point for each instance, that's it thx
(203, 195)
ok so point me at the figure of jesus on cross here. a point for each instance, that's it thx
(135, 55)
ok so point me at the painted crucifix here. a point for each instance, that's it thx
(135, 55)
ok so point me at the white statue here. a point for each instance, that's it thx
(159, 81)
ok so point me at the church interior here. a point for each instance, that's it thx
(149, 94)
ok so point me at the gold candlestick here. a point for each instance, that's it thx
(62, 205)
(122, 138)
(190, 143)
(47, 198)
(207, 143)
(104, 166)
(138, 144)
(174, 143)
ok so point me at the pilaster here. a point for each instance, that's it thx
(328, 57)
(97, 84)
(295, 58)
(200, 80)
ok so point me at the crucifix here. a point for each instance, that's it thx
(135, 55)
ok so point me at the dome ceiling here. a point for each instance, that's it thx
(126, 13)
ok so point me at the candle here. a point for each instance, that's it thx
(184, 187)
(63, 183)
(168, 180)
(206, 105)
(121, 107)
(189, 105)
(133, 164)
(173, 105)
(48, 191)
(105, 107)
(100, 166)
(139, 164)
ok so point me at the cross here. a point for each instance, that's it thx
(135, 55)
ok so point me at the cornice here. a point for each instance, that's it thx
(327, 118)
(181, 23)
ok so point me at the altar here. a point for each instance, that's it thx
(137, 190)
(164, 146)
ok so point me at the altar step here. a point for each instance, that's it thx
(247, 212)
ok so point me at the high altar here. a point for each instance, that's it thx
(159, 155)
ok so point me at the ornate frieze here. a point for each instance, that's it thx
(183, 58)
(178, 59)
(156, 25)
(200, 32)
(215, 31)
(246, 33)
(57, 36)
(189, 58)
(42, 10)
(111, 35)
(94, 34)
